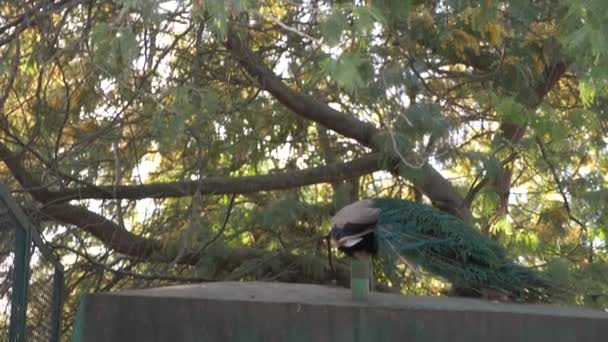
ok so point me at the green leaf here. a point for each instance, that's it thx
(182, 102)
(577, 39)
(101, 40)
(128, 48)
(114, 51)
(239, 6)
(512, 111)
(366, 17)
(559, 271)
(346, 70)
(587, 93)
(281, 212)
(395, 11)
(212, 101)
(342, 195)
(492, 166)
(502, 226)
(333, 27)
(219, 16)
(313, 266)
(393, 75)
(427, 118)
(578, 118)
(3, 66)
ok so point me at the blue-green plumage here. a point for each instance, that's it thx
(444, 246)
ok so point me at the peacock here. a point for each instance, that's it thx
(437, 242)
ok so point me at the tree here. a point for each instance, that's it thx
(160, 142)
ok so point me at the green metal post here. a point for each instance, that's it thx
(360, 274)
(79, 321)
(20, 281)
(57, 305)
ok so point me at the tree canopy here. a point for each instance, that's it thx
(159, 142)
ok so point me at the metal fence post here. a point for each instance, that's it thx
(19, 296)
(45, 310)
(57, 304)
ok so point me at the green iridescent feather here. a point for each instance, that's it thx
(447, 247)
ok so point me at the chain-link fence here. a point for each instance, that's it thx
(7, 244)
(31, 279)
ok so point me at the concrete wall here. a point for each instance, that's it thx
(293, 312)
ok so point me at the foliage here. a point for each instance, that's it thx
(490, 110)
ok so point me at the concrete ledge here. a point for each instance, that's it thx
(266, 312)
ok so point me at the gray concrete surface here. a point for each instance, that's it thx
(254, 311)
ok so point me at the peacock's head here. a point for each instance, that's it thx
(352, 228)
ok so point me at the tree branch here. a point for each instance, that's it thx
(225, 185)
(512, 133)
(122, 241)
(558, 183)
(301, 104)
(432, 183)
(107, 231)
(30, 16)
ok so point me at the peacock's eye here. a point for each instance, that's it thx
(335, 232)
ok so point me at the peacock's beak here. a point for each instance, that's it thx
(349, 241)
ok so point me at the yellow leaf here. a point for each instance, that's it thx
(470, 15)
(423, 19)
(496, 34)
(460, 40)
(540, 31)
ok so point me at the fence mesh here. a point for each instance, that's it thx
(39, 325)
(31, 279)
(7, 243)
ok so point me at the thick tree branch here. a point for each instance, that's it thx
(301, 104)
(432, 183)
(125, 242)
(110, 233)
(140, 248)
(511, 133)
(225, 185)
(29, 18)
(122, 241)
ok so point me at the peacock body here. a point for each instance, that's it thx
(438, 242)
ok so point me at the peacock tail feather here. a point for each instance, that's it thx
(447, 247)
